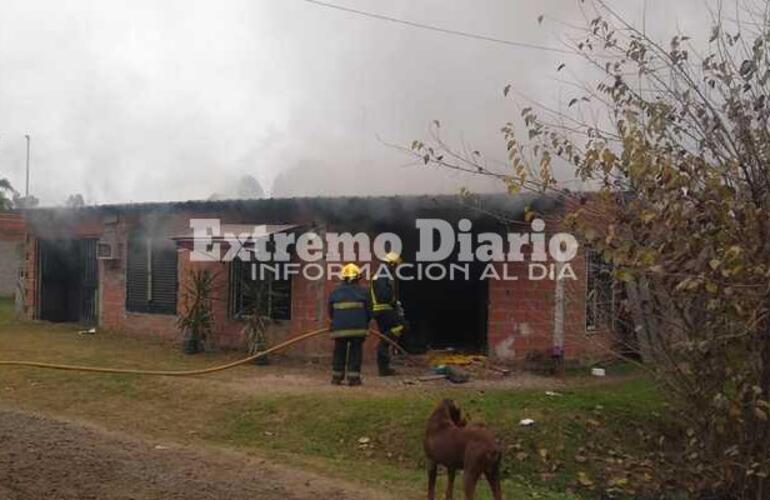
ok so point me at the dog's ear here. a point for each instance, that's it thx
(444, 405)
(454, 411)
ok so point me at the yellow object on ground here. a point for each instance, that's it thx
(437, 358)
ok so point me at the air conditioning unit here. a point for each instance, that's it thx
(107, 249)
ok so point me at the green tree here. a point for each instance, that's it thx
(6, 192)
(681, 168)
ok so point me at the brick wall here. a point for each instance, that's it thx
(10, 260)
(11, 251)
(520, 313)
(112, 285)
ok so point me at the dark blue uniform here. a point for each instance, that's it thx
(350, 313)
(383, 292)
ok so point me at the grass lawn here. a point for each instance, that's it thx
(576, 447)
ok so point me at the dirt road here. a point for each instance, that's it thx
(45, 458)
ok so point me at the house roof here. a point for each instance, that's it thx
(256, 230)
(488, 212)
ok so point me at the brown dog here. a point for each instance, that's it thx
(452, 442)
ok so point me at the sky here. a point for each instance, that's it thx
(148, 101)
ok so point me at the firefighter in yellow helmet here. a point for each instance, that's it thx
(386, 308)
(350, 313)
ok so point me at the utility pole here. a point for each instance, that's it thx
(26, 190)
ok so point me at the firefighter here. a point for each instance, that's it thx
(350, 313)
(386, 308)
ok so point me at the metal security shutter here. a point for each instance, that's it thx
(164, 280)
(136, 275)
(151, 276)
(89, 282)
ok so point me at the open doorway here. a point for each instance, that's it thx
(68, 280)
(446, 313)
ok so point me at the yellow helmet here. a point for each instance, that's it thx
(393, 258)
(350, 272)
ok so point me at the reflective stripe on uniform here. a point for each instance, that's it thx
(349, 332)
(397, 330)
(377, 306)
(348, 305)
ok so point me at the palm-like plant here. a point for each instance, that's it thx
(197, 323)
(259, 314)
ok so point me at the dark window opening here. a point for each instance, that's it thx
(264, 289)
(600, 299)
(151, 276)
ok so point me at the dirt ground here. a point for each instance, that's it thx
(67, 435)
(41, 457)
(292, 376)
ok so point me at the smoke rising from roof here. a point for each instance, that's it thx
(144, 100)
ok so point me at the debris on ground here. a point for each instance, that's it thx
(452, 357)
(457, 375)
(492, 368)
(552, 393)
(454, 374)
(526, 422)
(598, 372)
(447, 360)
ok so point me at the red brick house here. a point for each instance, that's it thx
(11, 246)
(125, 268)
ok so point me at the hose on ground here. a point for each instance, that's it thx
(167, 373)
(182, 373)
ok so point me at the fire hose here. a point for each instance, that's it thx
(182, 373)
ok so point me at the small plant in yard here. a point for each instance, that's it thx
(259, 313)
(257, 323)
(255, 333)
(197, 323)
